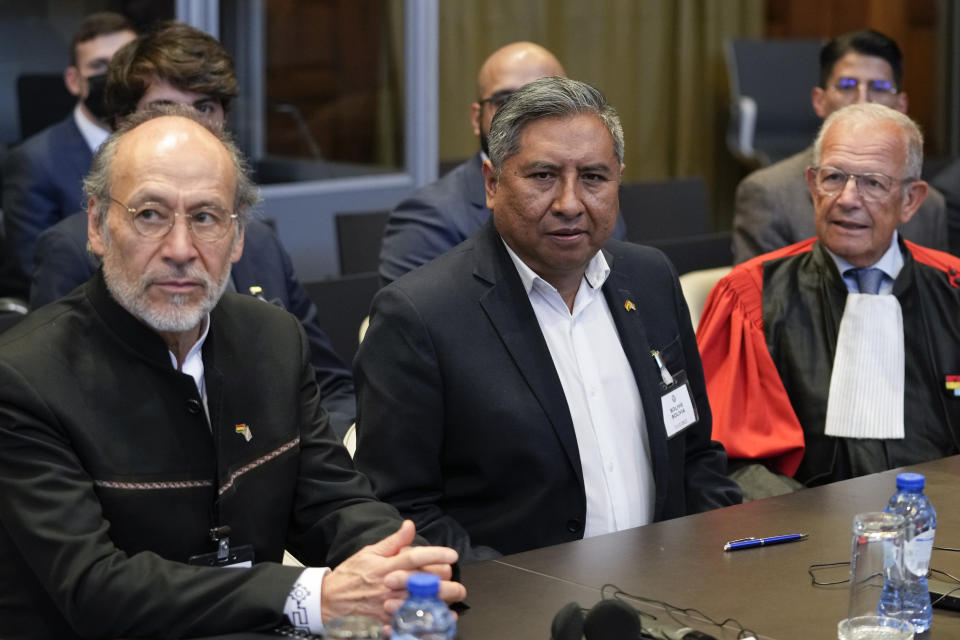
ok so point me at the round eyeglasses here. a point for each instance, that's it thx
(872, 187)
(154, 220)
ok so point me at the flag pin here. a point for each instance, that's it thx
(244, 430)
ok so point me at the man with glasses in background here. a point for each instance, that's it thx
(773, 207)
(443, 214)
(839, 356)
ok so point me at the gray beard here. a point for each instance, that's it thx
(177, 315)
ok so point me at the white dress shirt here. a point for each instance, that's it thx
(602, 397)
(92, 134)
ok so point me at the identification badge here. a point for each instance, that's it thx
(679, 409)
(239, 556)
(225, 556)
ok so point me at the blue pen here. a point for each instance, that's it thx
(750, 543)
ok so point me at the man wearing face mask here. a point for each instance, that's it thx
(43, 176)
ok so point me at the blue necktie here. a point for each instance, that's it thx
(868, 279)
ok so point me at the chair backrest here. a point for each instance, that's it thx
(697, 285)
(42, 100)
(359, 236)
(342, 304)
(661, 209)
(693, 253)
(771, 116)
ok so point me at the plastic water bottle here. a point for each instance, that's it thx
(423, 616)
(908, 597)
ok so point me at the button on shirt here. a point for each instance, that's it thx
(602, 397)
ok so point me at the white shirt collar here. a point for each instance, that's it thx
(596, 272)
(891, 262)
(193, 362)
(92, 133)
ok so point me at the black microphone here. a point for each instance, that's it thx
(612, 620)
(568, 623)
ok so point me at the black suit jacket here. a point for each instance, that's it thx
(111, 476)
(462, 420)
(42, 184)
(437, 218)
(62, 263)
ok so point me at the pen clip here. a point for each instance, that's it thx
(741, 540)
(664, 374)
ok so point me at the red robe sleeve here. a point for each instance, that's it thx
(752, 414)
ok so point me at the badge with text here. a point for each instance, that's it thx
(679, 409)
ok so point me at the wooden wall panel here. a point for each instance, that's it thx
(323, 58)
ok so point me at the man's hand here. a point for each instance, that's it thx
(373, 581)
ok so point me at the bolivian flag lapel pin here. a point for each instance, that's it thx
(629, 306)
(244, 430)
(953, 385)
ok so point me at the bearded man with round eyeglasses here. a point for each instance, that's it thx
(154, 429)
(839, 356)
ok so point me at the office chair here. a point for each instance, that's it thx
(695, 253)
(771, 117)
(661, 209)
(696, 287)
(674, 216)
(359, 236)
(342, 304)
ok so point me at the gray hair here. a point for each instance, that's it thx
(551, 97)
(872, 112)
(98, 184)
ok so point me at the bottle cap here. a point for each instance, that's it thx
(423, 585)
(910, 481)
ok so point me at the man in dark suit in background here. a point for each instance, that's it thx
(42, 177)
(180, 64)
(528, 387)
(443, 214)
(773, 207)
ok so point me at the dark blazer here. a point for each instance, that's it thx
(437, 218)
(42, 184)
(62, 263)
(111, 476)
(462, 420)
(773, 209)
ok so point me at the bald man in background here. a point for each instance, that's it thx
(443, 214)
